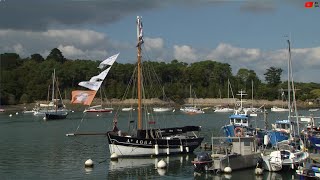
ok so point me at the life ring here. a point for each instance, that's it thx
(238, 104)
(238, 132)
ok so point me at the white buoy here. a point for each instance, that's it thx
(265, 139)
(97, 114)
(10, 115)
(258, 171)
(156, 149)
(88, 163)
(17, 113)
(44, 118)
(114, 156)
(161, 164)
(227, 169)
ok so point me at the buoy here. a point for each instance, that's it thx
(161, 164)
(97, 114)
(114, 156)
(258, 171)
(10, 115)
(44, 118)
(17, 113)
(227, 169)
(88, 163)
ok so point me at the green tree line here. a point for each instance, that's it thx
(25, 80)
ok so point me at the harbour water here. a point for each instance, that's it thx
(32, 148)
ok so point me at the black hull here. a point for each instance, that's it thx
(53, 116)
(145, 147)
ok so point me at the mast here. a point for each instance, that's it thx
(140, 41)
(289, 79)
(53, 75)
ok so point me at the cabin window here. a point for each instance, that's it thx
(245, 121)
(238, 120)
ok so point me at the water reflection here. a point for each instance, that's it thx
(125, 168)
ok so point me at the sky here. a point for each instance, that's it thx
(243, 33)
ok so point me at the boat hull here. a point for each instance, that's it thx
(235, 162)
(130, 146)
(54, 116)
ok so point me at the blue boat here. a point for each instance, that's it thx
(281, 131)
(240, 124)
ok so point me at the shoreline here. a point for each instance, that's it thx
(207, 102)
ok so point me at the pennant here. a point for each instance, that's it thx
(140, 31)
(91, 85)
(108, 61)
(82, 97)
(101, 76)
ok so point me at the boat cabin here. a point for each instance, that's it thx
(282, 125)
(239, 120)
(244, 145)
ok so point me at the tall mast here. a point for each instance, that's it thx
(139, 39)
(289, 79)
(53, 79)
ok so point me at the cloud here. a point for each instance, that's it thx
(184, 53)
(41, 15)
(257, 7)
(153, 43)
(75, 44)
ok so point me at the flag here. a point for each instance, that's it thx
(308, 4)
(101, 76)
(91, 85)
(82, 97)
(109, 61)
(140, 31)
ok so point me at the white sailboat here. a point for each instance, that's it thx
(193, 109)
(162, 109)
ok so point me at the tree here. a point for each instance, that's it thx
(37, 57)
(273, 76)
(56, 55)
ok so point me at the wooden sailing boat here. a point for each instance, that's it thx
(146, 140)
(58, 112)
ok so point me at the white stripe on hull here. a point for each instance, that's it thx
(121, 150)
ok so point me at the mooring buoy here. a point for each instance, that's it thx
(88, 163)
(114, 156)
(161, 164)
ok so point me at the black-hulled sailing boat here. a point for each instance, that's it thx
(146, 139)
(59, 112)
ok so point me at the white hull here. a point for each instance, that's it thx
(121, 150)
(224, 110)
(271, 164)
(127, 109)
(162, 109)
(276, 109)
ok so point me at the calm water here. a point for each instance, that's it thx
(32, 148)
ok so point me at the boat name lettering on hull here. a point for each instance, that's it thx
(138, 141)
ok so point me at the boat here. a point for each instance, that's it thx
(278, 109)
(146, 138)
(162, 109)
(309, 171)
(98, 109)
(314, 110)
(242, 154)
(192, 108)
(58, 111)
(86, 97)
(284, 159)
(280, 131)
(2, 110)
(127, 109)
(220, 109)
(241, 123)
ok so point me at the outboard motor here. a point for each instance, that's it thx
(203, 162)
